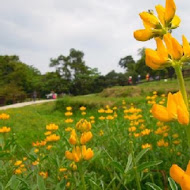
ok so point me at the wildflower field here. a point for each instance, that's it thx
(107, 141)
(106, 145)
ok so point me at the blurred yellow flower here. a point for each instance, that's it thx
(158, 25)
(4, 116)
(175, 110)
(52, 127)
(180, 176)
(5, 129)
(85, 137)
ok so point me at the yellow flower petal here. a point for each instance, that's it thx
(161, 49)
(170, 10)
(150, 63)
(161, 12)
(160, 112)
(188, 169)
(177, 49)
(175, 22)
(168, 42)
(183, 116)
(186, 46)
(171, 106)
(185, 182)
(176, 173)
(143, 34)
(150, 19)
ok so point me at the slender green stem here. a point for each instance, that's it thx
(82, 176)
(184, 94)
(135, 167)
(181, 84)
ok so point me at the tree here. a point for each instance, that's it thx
(72, 69)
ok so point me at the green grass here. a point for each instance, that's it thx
(111, 151)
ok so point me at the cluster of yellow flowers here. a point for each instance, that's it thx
(158, 25)
(4, 129)
(79, 151)
(169, 52)
(83, 110)
(20, 166)
(4, 116)
(68, 114)
(108, 113)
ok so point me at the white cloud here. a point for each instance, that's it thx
(103, 29)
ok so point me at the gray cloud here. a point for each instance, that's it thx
(103, 29)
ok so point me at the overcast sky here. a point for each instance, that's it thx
(37, 30)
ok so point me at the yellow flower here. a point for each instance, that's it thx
(49, 147)
(162, 143)
(158, 25)
(180, 176)
(146, 146)
(43, 174)
(68, 113)
(68, 108)
(41, 143)
(145, 132)
(52, 127)
(79, 153)
(18, 162)
(109, 111)
(83, 113)
(4, 116)
(175, 110)
(170, 10)
(82, 108)
(36, 150)
(68, 129)
(5, 129)
(173, 46)
(85, 137)
(18, 171)
(47, 133)
(132, 129)
(69, 120)
(101, 110)
(83, 125)
(101, 118)
(110, 117)
(101, 133)
(73, 137)
(159, 58)
(52, 137)
(62, 169)
(186, 47)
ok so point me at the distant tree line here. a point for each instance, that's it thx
(72, 76)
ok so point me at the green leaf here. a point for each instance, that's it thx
(13, 182)
(40, 182)
(153, 186)
(109, 185)
(117, 166)
(172, 184)
(61, 185)
(1, 186)
(95, 184)
(141, 154)
(148, 165)
(129, 162)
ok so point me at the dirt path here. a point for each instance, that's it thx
(18, 105)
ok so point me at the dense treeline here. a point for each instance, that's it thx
(72, 76)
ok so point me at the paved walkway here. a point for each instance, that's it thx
(18, 105)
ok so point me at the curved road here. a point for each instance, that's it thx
(18, 105)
